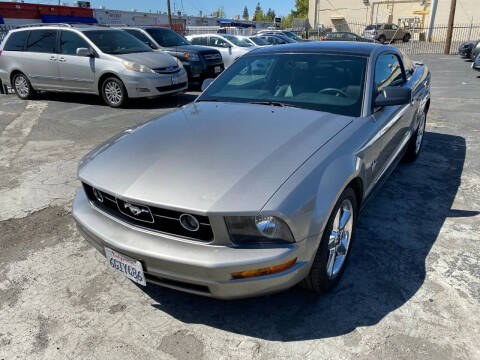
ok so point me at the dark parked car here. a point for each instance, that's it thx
(386, 32)
(276, 39)
(345, 36)
(465, 49)
(475, 52)
(286, 33)
(476, 64)
(201, 62)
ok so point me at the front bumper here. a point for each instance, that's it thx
(190, 266)
(199, 71)
(150, 85)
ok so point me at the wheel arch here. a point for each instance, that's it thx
(103, 77)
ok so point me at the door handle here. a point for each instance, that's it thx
(53, 58)
(62, 59)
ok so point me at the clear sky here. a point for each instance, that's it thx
(191, 7)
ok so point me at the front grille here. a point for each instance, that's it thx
(149, 217)
(212, 56)
(177, 284)
(171, 87)
(167, 70)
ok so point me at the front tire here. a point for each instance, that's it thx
(114, 93)
(416, 142)
(333, 252)
(22, 87)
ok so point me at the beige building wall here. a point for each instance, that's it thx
(331, 12)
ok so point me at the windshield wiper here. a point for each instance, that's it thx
(273, 103)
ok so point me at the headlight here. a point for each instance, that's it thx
(258, 229)
(191, 56)
(137, 67)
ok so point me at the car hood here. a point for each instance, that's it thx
(207, 157)
(153, 59)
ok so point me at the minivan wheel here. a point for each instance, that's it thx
(22, 86)
(406, 38)
(415, 144)
(113, 92)
(382, 39)
(333, 252)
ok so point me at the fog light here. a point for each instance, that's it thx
(264, 271)
(143, 90)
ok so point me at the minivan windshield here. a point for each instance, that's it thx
(167, 37)
(116, 42)
(330, 83)
(238, 41)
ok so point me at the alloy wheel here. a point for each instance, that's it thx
(339, 240)
(420, 133)
(113, 92)
(21, 86)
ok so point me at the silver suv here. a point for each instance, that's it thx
(386, 32)
(87, 59)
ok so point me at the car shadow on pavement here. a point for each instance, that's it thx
(164, 102)
(388, 264)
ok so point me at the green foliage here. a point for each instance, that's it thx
(221, 12)
(245, 16)
(258, 16)
(270, 16)
(301, 9)
(287, 21)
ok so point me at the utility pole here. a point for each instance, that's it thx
(431, 24)
(169, 14)
(451, 20)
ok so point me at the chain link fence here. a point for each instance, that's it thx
(424, 40)
(4, 29)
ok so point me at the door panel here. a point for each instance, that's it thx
(76, 72)
(40, 62)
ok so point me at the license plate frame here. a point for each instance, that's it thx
(125, 265)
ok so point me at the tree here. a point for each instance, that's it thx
(270, 16)
(245, 16)
(287, 21)
(301, 9)
(258, 16)
(221, 12)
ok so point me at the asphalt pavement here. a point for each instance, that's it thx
(411, 290)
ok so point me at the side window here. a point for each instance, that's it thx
(388, 72)
(142, 37)
(387, 27)
(408, 66)
(217, 42)
(201, 40)
(16, 41)
(42, 41)
(70, 42)
(350, 37)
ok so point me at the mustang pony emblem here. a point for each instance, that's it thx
(135, 210)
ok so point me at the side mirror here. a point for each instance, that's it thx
(84, 52)
(227, 45)
(392, 95)
(206, 83)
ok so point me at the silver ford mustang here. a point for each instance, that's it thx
(257, 185)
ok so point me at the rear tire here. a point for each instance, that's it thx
(22, 87)
(415, 144)
(114, 93)
(334, 249)
(406, 38)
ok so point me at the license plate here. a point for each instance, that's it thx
(125, 265)
(175, 80)
(217, 69)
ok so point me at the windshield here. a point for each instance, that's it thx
(238, 41)
(291, 35)
(331, 83)
(116, 42)
(167, 37)
(259, 41)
